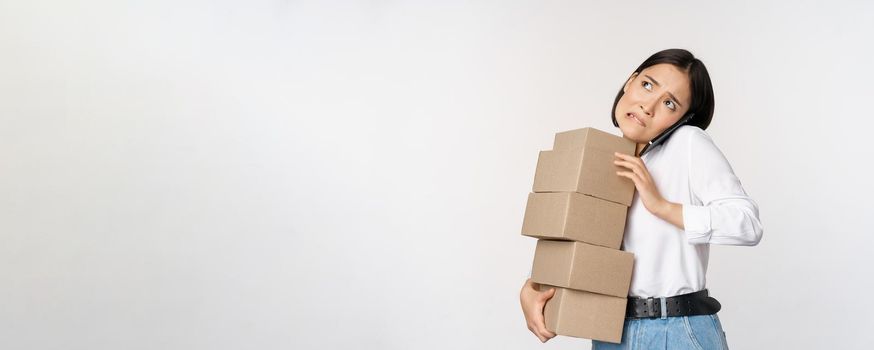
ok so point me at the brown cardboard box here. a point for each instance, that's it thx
(583, 314)
(593, 138)
(583, 266)
(582, 161)
(574, 216)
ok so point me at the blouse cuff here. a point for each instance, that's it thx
(696, 221)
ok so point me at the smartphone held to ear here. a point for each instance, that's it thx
(665, 134)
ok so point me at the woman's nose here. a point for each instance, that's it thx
(645, 110)
(649, 106)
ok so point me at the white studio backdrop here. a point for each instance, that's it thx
(334, 175)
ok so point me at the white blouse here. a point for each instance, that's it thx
(688, 169)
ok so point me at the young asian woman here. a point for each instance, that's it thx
(687, 198)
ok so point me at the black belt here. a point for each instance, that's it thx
(697, 303)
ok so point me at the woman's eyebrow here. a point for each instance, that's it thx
(653, 80)
(669, 93)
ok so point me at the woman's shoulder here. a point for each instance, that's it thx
(689, 139)
(693, 136)
(697, 144)
(692, 131)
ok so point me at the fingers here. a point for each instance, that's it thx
(634, 167)
(549, 335)
(534, 315)
(632, 176)
(634, 163)
(540, 328)
(544, 296)
(638, 174)
(545, 332)
(539, 322)
(627, 157)
(536, 326)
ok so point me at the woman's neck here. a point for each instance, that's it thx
(640, 147)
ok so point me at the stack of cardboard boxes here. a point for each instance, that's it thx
(577, 211)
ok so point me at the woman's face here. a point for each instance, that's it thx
(653, 100)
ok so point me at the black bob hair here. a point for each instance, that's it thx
(701, 88)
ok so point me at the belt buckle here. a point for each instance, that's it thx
(650, 307)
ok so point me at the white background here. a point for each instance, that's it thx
(338, 175)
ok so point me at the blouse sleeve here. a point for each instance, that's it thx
(728, 216)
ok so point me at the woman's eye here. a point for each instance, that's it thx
(647, 85)
(670, 104)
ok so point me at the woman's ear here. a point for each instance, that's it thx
(628, 83)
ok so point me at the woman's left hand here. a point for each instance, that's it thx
(646, 188)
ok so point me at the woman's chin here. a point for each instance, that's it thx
(632, 134)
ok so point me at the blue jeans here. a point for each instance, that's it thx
(701, 332)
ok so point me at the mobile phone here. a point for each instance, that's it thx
(665, 134)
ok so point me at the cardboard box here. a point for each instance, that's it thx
(585, 315)
(583, 266)
(582, 161)
(592, 138)
(576, 217)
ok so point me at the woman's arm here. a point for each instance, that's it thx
(671, 212)
(727, 214)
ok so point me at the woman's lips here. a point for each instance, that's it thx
(633, 116)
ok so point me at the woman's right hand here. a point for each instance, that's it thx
(533, 302)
